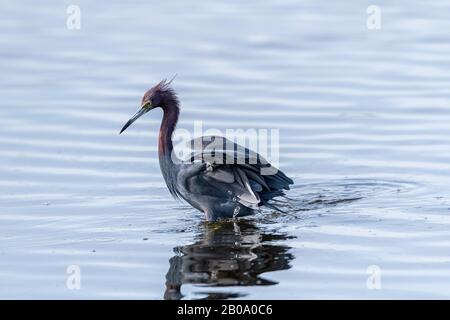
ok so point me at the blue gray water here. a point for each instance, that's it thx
(362, 114)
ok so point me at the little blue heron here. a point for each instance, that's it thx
(229, 180)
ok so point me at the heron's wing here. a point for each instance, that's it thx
(235, 182)
(220, 150)
(240, 170)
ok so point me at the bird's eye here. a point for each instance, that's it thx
(156, 100)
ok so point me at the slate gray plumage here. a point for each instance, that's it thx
(221, 178)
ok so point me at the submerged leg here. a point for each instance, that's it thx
(228, 210)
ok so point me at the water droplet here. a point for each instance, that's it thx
(236, 211)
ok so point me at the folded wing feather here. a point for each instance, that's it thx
(243, 174)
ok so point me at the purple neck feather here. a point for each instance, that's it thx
(168, 124)
(165, 145)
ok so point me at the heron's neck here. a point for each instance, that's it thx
(167, 158)
(168, 124)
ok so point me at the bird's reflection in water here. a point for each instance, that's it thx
(227, 254)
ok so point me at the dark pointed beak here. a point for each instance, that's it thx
(137, 115)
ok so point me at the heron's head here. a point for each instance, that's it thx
(160, 96)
